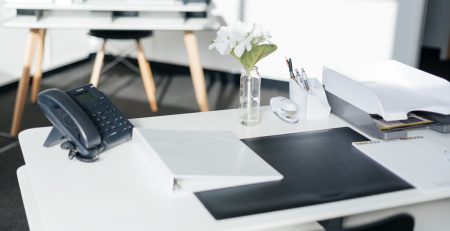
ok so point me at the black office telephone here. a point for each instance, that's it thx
(88, 121)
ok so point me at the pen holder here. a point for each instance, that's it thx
(312, 105)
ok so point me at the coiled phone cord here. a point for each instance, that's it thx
(73, 153)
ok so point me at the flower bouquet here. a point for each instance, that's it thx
(248, 43)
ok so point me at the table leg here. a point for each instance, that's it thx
(38, 72)
(98, 63)
(147, 77)
(195, 66)
(24, 82)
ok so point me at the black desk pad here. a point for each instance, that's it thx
(318, 167)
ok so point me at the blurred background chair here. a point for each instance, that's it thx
(144, 66)
(400, 222)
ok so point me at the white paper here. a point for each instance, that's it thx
(422, 163)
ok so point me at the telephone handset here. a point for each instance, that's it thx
(86, 119)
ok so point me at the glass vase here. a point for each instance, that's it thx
(249, 97)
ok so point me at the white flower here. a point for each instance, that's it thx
(243, 28)
(244, 44)
(224, 42)
(239, 38)
(260, 35)
(229, 37)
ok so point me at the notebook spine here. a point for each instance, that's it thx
(157, 166)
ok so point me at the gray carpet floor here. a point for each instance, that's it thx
(124, 88)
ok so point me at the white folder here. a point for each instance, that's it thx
(190, 161)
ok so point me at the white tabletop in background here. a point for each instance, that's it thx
(113, 5)
(118, 192)
(97, 15)
(105, 22)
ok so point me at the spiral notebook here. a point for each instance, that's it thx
(421, 162)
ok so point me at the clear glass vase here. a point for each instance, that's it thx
(249, 97)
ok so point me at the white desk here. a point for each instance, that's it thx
(95, 15)
(118, 193)
(114, 5)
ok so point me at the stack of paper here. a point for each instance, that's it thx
(200, 160)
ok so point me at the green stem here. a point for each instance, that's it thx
(249, 100)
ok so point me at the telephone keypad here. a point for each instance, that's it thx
(108, 120)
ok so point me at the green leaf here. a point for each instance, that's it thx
(250, 58)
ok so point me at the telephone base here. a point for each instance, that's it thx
(76, 155)
(53, 138)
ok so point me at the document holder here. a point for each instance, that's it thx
(318, 167)
(390, 90)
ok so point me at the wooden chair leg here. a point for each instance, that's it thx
(195, 66)
(147, 77)
(98, 63)
(22, 90)
(38, 67)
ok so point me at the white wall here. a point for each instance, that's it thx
(317, 32)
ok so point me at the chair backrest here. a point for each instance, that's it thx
(120, 34)
(401, 222)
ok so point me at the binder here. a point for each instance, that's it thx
(422, 163)
(190, 161)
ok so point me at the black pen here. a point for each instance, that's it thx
(289, 64)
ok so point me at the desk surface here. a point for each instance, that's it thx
(120, 193)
